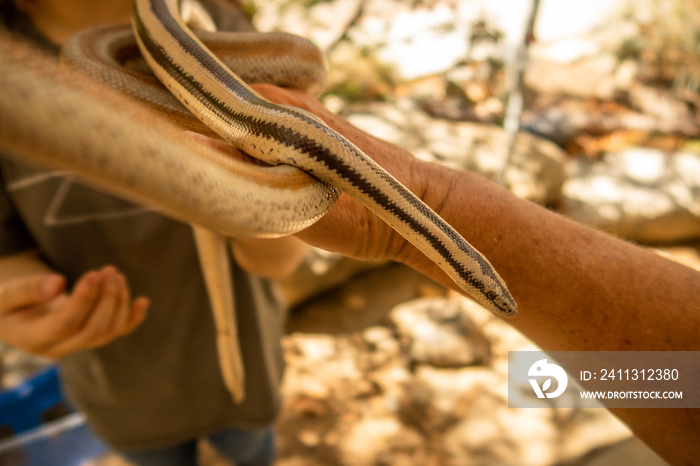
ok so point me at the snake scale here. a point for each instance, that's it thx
(153, 164)
(281, 135)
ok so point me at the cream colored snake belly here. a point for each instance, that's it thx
(221, 195)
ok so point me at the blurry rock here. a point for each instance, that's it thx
(640, 194)
(439, 333)
(374, 439)
(436, 399)
(308, 406)
(492, 433)
(309, 438)
(536, 172)
(321, 271)
(659, 103)
(668, 111)
(382, 345)
(565, 120)
(362, 301)
(313, 349)
(589, 77)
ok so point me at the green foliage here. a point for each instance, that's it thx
(668, 45)
(249, 7)
(356, 75)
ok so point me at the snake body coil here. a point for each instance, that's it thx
(281, 135)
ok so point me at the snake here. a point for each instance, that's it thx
(280, 134)
(123, 149)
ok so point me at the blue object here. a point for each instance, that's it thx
(24, 410)
(24, 407)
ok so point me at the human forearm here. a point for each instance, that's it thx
(269, 258)
(577, 289)
(582, 290)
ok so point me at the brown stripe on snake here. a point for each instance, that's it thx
(109, 51)
(282, 135)
(101, 52)
(321, 154)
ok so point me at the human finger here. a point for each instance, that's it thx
(123, 310)
(113, 315)
(129, 314)
(71, 316)
(96, 328)
(29, 291)
(137, 314)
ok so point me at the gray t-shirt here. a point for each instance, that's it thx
(161, 384)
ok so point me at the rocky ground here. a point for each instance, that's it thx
(385, 366)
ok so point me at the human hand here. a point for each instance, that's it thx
(349, 228)
(39, 317)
